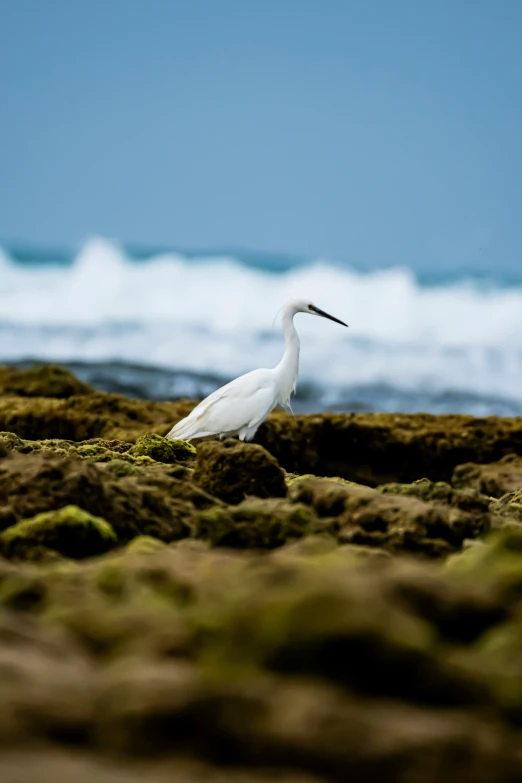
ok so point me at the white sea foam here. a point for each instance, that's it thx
(215, 315)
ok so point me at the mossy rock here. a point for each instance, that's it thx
(293, 478)
(467, 498)
(121, 467)
(378, 448)
(163, 450)
(92, 450)
(144, 545)
(48, 380)
(86, 416)
(70, 531)
(494, 479)
(256, 524)
(509, 505)
(398, 520)
(232, 470)
(498, 558)
(149, 501)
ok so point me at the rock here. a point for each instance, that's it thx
(397, 521)
(46, 682)
(256, 524)
(305, 659)
(378, 448)
(372, 449)
(494, 479)
(293, 478)
(163, 450)
(466, 499)
(232, 470)
(48, 380)
(509, 506)
(94, 450)
(499, 559)
(70, 531)
(144, 545)
(302, 725)
(148, 503)
(82, 417)
(17, 765)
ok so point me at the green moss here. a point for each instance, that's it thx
(93, 453)
(70, 530)
(144, 545)
(256, 523)
(163, 450)
(48, 380)
(232, 470)
(10, 441)
(440, 492)
(294, 479)
(122, 467)
(111, 579)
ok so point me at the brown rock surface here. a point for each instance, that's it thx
(361, 627)
(232, 470)
(396, 519)
(494, 479)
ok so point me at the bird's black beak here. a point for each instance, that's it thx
(325, 315)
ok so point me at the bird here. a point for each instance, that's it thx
(239, 407)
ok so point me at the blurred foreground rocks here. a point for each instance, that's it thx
(339, 601)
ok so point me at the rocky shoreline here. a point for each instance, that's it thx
(340, 600)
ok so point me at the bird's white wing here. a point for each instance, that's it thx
(240, 403)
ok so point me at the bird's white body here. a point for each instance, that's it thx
(239, 407)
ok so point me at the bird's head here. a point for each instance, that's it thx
(304, 306)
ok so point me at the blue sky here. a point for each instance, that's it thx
(376, 131)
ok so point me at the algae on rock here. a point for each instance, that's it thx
(232, 470)
(48, 380)
(256, 524)
(163, 450)
(144, 545)
(70, 530)
(494, 479)
(395, 518)
(150, 502)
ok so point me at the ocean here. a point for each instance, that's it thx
(162, 325)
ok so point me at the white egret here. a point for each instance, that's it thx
(239, 407)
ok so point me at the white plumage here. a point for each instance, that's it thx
(239, 407)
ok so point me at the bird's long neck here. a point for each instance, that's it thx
(288, 367)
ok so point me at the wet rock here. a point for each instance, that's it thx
(325, 731)
(163, 450)
(232, 470)
(398, 521)
(372, 449)
(494, 479)
(45, 682)
(467, 499)
(97, 450)
(79, 766)
(310, 660)
(70, 531)
(256, 524)
(498, 559)
(49, 380)
(82, 417)
(157, 504)
(144, 545)
(509, 506)
(378, 448)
